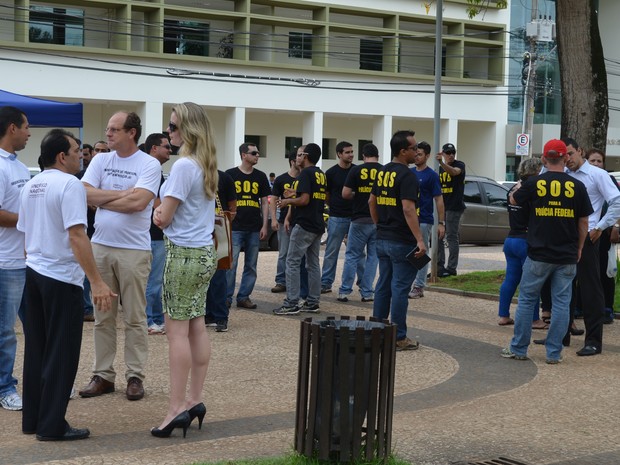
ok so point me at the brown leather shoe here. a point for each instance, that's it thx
(246, 303)
(97, 387)
(135, 390)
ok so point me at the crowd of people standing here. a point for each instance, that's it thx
(115, 231)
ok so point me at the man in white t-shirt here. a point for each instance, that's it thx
(14, 134)
(122, 184)
(52, 215)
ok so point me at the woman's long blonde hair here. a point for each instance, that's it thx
(198, 142)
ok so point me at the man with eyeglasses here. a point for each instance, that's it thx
(122, 184)
(250, 224)
(430, 190)
(158, 146)
(452, 177)
(340, 212)
(393, 205)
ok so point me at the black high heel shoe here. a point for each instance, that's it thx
(198, 410)
(182, 420)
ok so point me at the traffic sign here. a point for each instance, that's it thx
(523, 144)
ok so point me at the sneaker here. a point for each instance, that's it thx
(326, 290)
(278, 288)
(553, 361)
(368, 299)
(155, 329)
(507, 353)
(11, 401)
(221, 327)
(284, 310)
(310, 308)
(416, 293)
(210, 322)
(407, 344)
(342, 298)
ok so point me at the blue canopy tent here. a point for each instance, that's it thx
(45, 113)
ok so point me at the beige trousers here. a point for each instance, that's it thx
(126, 272)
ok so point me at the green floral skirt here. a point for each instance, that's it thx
(187, 274)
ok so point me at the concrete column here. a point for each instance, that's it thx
(313, 130)
(152, 116)
(235, 136)
(381, 135)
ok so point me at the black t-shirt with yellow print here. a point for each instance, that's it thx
(394, 183)
(556, 201)
(250, 188)
(311, 181)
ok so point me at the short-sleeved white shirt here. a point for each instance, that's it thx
(108, 171)
(193, 222)
(51, 203)
(13, 176)
(600, 189)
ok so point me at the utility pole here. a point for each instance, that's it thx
(530, 83)
(539, 29)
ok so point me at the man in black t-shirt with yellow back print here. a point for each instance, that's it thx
(250, 223)
(309, 202)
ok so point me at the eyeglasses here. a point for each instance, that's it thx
(173, 127)
(113, 130)
(256, 153)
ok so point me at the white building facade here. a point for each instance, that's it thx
(275, 72)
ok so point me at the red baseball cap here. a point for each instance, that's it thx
(555, 148)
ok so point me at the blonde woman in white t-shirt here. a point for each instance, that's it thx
(187, 215)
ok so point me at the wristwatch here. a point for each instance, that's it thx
(443, 223)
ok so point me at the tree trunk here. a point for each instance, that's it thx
(585, 112)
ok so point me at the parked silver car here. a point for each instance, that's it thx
(485, 220)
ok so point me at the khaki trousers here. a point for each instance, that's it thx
(126, 272)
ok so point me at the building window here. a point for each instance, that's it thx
(360, 145)
(299, 45)
(186, 38)
(290, 144)
(63, 26)
(371, 54)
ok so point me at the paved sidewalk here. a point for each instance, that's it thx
(456, 399)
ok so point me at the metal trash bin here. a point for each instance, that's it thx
(345, 389)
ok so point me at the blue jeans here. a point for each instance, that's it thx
(453, 222)
(337, 228)
(361, 259)
(420, 277)
(216, 307)
(249, 241)
(515, 251)
(154, 308)
(303, 243)
(534, 276)
(86, 299)
(396, 275)
(11, 302)
(284, 240)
